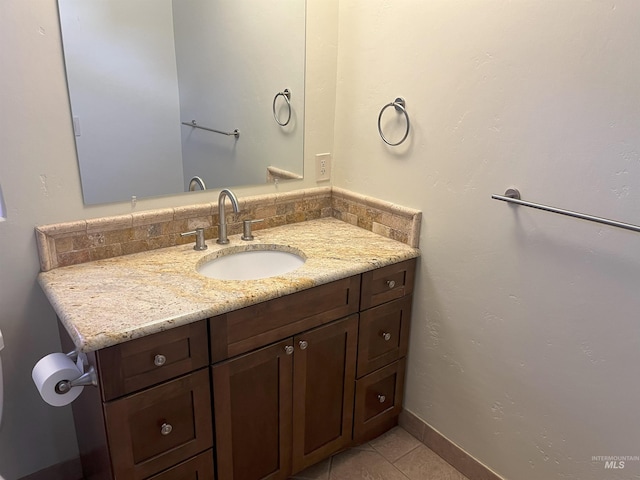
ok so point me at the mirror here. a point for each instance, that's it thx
(140, 72)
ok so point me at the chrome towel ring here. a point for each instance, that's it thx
(287, 96)
(399, 105)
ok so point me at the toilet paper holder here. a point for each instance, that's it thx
(88, 378)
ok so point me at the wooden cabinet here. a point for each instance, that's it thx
(281, 407)
(151, 416)
(384, 335)
(159, 427)
(378, 401)
(259, 393)
(252, 404)
(287, 406)
(146, 361)
(199, 467)
(383, 342)
(252, 327)
(387, 283)
(324, 367)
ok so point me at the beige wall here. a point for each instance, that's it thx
(40, 184)
(524, 346)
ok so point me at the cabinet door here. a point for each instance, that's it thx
(252, 405)
(323, 391)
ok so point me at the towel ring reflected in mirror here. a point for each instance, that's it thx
(286, 94)
(399, 104)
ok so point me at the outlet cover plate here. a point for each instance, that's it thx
(323, 167)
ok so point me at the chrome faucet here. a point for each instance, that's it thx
(222, 227)
(196, 182)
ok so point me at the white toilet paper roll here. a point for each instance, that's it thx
(52, 369)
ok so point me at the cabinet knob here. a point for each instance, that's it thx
(288, 349)
(159, 360)
(386, 336)
(166, 428)
(303, 344)
(381, 398)
(391, 283)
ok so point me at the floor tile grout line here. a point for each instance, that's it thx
(374, 450)
(423, 445)
(400, 471)
(404, 455)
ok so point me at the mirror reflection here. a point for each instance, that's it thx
(144, 76)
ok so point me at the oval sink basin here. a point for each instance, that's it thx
(250, 264)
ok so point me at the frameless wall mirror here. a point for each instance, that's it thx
(141, 72)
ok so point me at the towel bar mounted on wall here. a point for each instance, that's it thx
(399, 104)
(286, 94)
(194, 124)
(512, 195)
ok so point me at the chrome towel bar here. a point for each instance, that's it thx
(512, 195)
(194, 124)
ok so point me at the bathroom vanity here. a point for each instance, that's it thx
(254, 379)
(294, 380)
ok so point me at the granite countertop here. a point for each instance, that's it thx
(106, 302)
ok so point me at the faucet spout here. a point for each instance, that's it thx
(222, 227)
(196, 182)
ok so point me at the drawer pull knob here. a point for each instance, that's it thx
(288, 349)
(381, 398)
(159, 360)
(166, 429)
(391, 283)
(386, 336)
(303, 344)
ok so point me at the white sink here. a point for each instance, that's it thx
(234, 264)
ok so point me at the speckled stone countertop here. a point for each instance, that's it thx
(106, 302)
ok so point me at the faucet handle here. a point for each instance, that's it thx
(199, 233)
(246, 228)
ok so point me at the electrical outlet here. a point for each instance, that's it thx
(323, 167)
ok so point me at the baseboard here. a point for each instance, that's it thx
(69, 470)
(446, 449)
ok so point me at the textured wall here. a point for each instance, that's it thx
(525, 338)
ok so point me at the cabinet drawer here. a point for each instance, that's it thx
(252, 327)
(146, 361)
(384, 335)
(378, 401)
(159, 427)
(387, 283)
(197, 468)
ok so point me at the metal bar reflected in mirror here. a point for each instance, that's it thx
(194, 124)
(135, 69)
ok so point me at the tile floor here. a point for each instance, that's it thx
(396, 455)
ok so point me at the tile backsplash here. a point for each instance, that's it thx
(70, 243)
